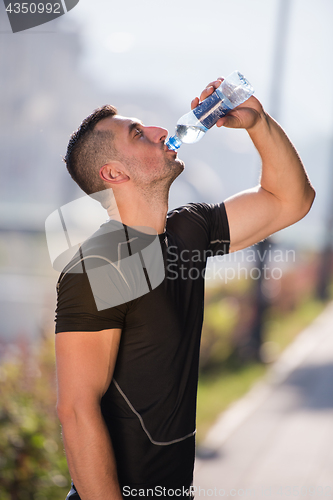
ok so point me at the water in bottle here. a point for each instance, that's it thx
(232, 92)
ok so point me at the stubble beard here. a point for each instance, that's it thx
(155, 184)
(158, 189)
(175, 167)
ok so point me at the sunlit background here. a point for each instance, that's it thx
(150, 59)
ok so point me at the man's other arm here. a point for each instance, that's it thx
(284, 194)
(85, 363)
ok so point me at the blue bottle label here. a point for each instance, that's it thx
(211, 109)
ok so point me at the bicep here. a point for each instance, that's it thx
(85, 363)
(254, 215)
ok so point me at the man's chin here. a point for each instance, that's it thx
(177, 169)
(179, 163)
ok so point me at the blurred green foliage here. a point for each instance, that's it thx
(221, 317)
(32, 461)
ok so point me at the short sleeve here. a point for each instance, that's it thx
(76, 307)
(219, 228)
(208, 220)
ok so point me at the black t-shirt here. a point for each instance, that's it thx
(150, 405)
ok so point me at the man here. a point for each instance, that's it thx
(127, 372)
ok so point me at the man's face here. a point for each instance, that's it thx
(142, 150)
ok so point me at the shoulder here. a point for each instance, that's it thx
(203, 214)
(203, 222)
(101, 246)
(94, 257)
(107, 271)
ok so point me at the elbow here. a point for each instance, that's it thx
(73, 412)
(308, 201)
(65, 413)
(294, 212)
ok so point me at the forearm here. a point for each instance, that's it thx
(90, 456)
(283, 173)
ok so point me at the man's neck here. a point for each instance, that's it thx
(142, 212)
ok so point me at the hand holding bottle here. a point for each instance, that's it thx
(245, 115)
(218, 99)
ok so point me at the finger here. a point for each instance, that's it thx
(211, 87)
(229, 121)
(215, 83)
(220, 122)
(207, 92)
(195, 102)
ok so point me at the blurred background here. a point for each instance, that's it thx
(150, 59)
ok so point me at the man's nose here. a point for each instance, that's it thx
(156, 134)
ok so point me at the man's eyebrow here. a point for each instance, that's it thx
(133, 126)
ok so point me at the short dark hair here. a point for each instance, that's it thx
(89, 149)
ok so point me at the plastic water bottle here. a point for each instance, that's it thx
(232, 92)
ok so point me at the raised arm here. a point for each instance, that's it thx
(85, 364)
(284, 194)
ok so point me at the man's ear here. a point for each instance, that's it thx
(113, 173)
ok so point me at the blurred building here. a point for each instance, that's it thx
(42, 96)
